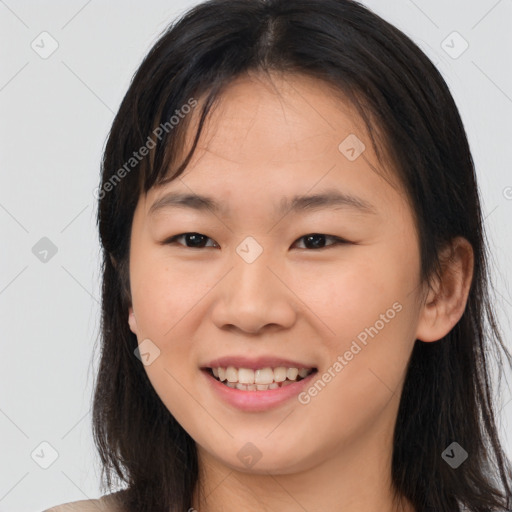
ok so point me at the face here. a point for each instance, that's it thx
(254, 279)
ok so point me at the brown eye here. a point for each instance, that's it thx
(317, 240)
(192, 240)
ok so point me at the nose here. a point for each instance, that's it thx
(254, 296)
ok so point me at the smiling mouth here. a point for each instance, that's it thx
(262, 379)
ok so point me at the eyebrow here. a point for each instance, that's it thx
(330, 199)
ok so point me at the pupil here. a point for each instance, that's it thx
(315, 238)
(196, 237)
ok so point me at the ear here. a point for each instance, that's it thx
(132, 321)
(446, 301)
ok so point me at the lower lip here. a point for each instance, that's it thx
(257, 400)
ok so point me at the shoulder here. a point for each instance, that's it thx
(107, 503)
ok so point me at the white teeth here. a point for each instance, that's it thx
(291, 373)
(264, 376)
(280, 374)
(246, 376)
(232, 374)
(261, 379)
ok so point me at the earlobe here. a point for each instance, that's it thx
(446, 301)
(132, 321)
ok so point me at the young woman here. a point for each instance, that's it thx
(295, 303)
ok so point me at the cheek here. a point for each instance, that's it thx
(163, 294)
(372, 316)
(365, 361)
(354, 293)
(166, 301)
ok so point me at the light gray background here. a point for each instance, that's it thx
(55, 114)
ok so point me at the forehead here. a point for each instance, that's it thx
(281, 132)
(275, 113)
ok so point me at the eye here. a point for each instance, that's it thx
(317, 240)
(196, 240)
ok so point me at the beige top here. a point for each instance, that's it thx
(106, 503)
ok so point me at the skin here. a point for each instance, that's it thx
(265, 141)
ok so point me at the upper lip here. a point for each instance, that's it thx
(255, 363)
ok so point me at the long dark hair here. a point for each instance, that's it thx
(412, 118)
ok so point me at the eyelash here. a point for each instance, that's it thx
(337, 240)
